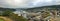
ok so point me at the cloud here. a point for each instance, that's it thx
(25, 3)
(16, 2)
(43, 2)
(57, 2)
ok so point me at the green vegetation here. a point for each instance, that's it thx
(1, 19)
(46, 14)
(17, 18)
(8, 13)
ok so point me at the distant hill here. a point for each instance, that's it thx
(53, 6)
(3, 9)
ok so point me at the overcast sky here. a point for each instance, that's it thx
(27, 3)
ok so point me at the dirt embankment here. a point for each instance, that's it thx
(6, 18)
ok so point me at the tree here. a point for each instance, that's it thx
(6, 13)
(15, 17)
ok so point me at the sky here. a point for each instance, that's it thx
(27, 3)
(58, 2)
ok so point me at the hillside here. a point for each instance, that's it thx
(3, 9)
(53, 6)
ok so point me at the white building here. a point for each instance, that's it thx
(21, 13)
